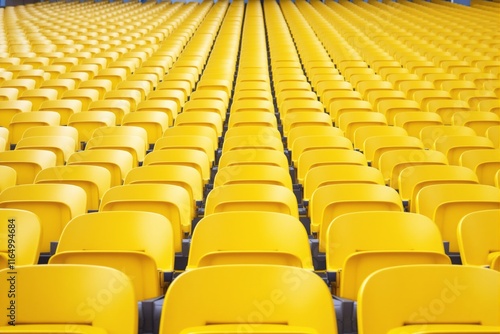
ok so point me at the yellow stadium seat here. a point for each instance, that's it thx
(454, 146)
(170, 201)
(209, 119)
(392, 163)
(228, 238)
(185, 176)
(8, 94)
(186, 157)
(95, 180)
(254, 174)
(374, 147)
(237, 285)
(54, 204)
(10, 108)
(446, 108)
(453, 287)
(391, 108)
(412, 179)
(447, 204)
(20, 122)
(308, 143)
(101, 85)
(21, 85)
(251, 197)
(168, 107)
(361, 243)
(322, 175)
(484, 162)
(298, 119)
(187, 141)
(60, 312)
(61, 146)
(479, 121)
(23, 228)
(331, 201)
(493, 133)
(86, 123)
(351, 121)
(84, 95)
(414, 121)
(65, 108)
(140, 255)
(117, 162)
(479, 225)
(327, 156)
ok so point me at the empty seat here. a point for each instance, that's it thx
(251, 197)
(117, 162)
(454, 146)
(479, 121)
(65, 108)
(430, 285)
(61, 146)
(374, 147)
(322, 175)
(10, 108)
(185, 176)
(350, 122)
(391, 108)
(142, 250)
(27, 163)
(308, 143)
(484, 162)
(238, 286)
(353, 253)
(484, 226)
(23, 228)
(252, 174)
(170, 108)
(327, 156)
(330, 201)
(305, 118)
(120, 108)
(249, 237)
(87, 122)
(84, 95)
(197, 142)
(54, 204)
(60, 311)
(38, 96)
(95, 180)
(446, 108)
(391, 163)
(167, 200)
(414, 121)
(187, 157)
(22, 121)
(447, 204)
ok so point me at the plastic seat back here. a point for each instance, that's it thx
(447, 204)
(360, 243)
(249, 237)
(27, 163)
(239, 286)
(23, 228)
(171, 201)
(50, 307)
(404, 289)
(479, 225)
(251, 197)
(125, 238)
(330, 201)
(54, 204)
